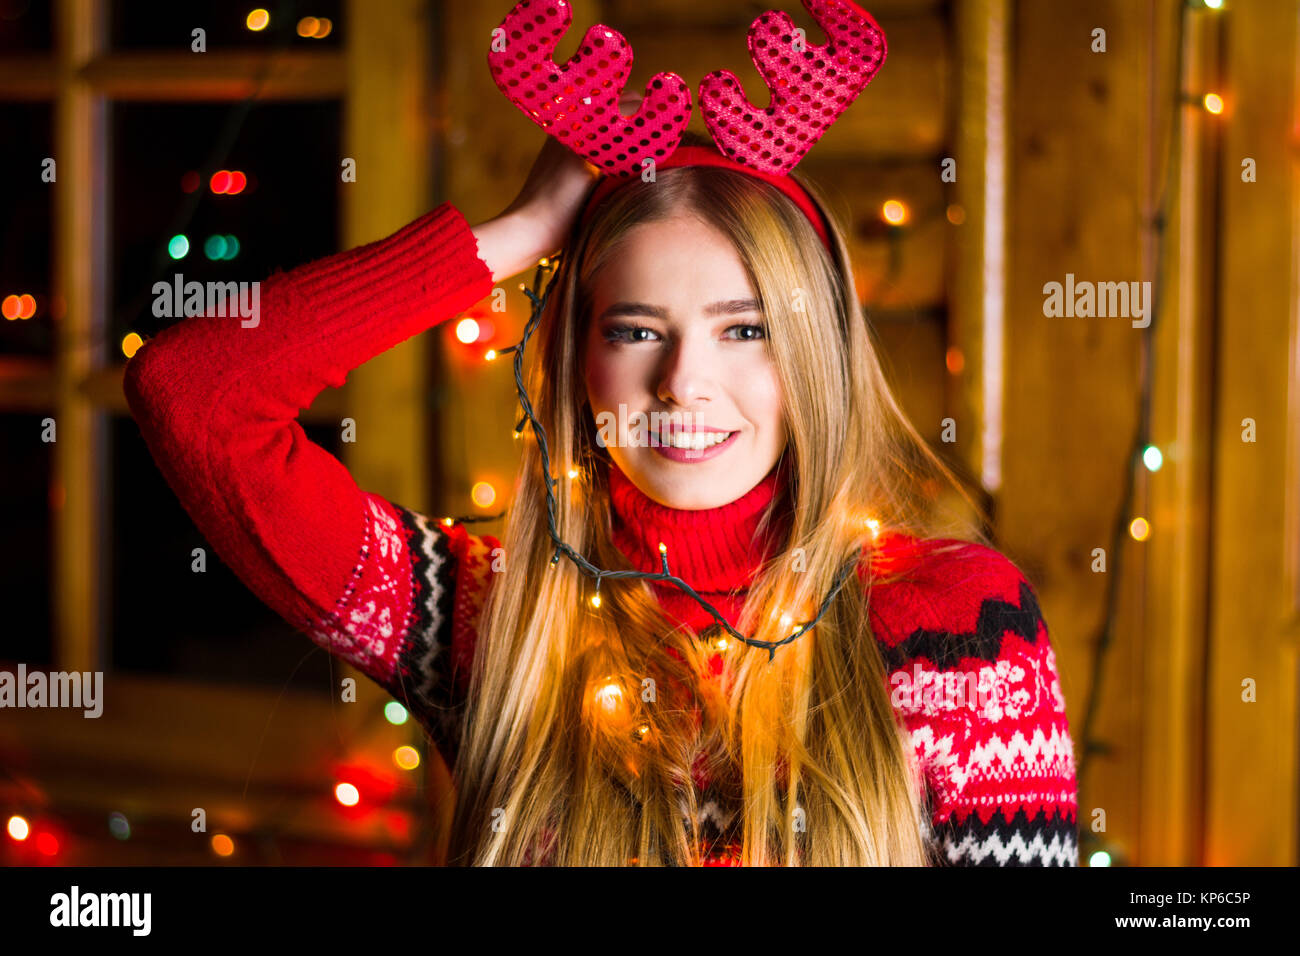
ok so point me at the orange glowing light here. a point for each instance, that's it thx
(324, 30)
(26, 306)
(308, 26)
(956, 214)
(257, 20)
(894, 212)
(9, 307)
(408, 758)
(1140, 529)
(222, 845)
(1214, 103)
(18, 828)
(483, 494)
(131, 343)
(955, 360)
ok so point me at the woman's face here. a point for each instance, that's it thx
(675, 346)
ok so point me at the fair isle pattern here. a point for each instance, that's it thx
(449, 567)
(984, 708)
(374, 614)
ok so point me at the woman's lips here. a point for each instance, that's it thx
(691, 455)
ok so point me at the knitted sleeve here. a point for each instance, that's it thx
(974, 680)
(216, 400)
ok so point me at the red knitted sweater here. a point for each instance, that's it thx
(397, 594)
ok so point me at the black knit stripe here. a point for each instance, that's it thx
(425, 663)
(1002, 842)
(946, 649)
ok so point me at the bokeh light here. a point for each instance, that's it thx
(257, 20)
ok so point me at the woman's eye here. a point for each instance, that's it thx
(759, 329)
(618, 333)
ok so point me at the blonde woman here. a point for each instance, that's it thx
(919, 721)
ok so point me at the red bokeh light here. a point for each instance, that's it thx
(220, 181)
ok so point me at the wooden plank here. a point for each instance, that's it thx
(977, 262)
(222, 76)
(386, 130)
(1076, 193)
(1253, 801)
(28, 77)
(80, 279)
(1171, 781)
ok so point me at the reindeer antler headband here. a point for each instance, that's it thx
(578, 103)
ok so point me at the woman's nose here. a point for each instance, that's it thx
(687, 374)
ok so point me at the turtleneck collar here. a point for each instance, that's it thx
(714, 550)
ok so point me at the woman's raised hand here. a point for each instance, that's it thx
(537, 222)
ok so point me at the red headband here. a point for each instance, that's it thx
(704, 156)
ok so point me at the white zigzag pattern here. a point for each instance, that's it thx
(433, 644)
(1061, 851)
(1044, 753)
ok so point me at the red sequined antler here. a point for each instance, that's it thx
(811, 85)
(578, 103)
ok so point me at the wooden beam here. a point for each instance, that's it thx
(290, 75)
(80, 277)
(1253, 797)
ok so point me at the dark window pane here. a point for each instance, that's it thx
(284, 215)
(25, 561)
(169, 619)
(25, 26)
(26, 211)
(167, 24)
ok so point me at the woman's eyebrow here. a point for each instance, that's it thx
(727, 307)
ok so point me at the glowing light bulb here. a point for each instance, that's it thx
(408, 758)
(490, 354)
(894, 212)
(483, 494)
(347, 794)
(467, 331)
(573, 473)
(595, 600)
(610, 696)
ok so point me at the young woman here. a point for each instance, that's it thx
(919, 721)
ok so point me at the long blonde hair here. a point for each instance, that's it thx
(561, 757)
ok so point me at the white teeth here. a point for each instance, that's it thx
(696, 442)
